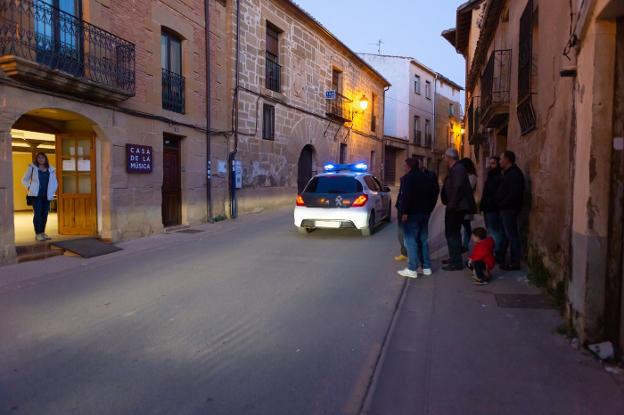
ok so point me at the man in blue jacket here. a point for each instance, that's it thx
(418, 197)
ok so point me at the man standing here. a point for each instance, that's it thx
(401, 235)
(489, 207)
(509, 198)
(418, 198)
(459, 200)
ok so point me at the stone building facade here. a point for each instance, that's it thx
(284, 128)
(100, 75)
(421, 107)
(550, 89)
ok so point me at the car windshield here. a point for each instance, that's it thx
(334, 184)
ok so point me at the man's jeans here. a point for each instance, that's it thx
(494, 227)
(401, 236)
(416, 231)
(511, 235)
(41, 207)
(452, 231)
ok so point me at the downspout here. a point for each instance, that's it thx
(435, 99)
(232, 155)
(208, 115)
(383, 139)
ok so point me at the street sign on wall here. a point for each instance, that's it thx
(331, 94)
(139, 159)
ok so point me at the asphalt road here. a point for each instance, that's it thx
(244, 318)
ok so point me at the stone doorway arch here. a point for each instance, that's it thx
(305, 166)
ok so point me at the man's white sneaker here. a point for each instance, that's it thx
(40, 237)
(408, 273)
(427, 272)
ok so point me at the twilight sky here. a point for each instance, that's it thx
(407, 28)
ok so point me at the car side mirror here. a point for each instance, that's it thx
(386, 189)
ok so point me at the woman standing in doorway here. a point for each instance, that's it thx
(41, 183)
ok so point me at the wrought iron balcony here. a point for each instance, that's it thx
(475, 130)
(339, 108)
(495, 89)
(273, 73)
(43, 45)
(172, 91)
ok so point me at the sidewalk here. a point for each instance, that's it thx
(453, 350)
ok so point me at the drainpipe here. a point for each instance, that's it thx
(232, 155)
(208, 115)
(383, 139)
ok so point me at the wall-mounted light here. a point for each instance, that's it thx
(463, 131)
(363, 103)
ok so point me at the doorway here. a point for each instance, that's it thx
(68, 140)
(305, 167)
(172, 182)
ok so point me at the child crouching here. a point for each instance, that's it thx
(481, 259)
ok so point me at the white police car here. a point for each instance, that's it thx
(346, 196)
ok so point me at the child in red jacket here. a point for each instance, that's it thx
(481, 260)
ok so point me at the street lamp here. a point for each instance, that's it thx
(363, 103)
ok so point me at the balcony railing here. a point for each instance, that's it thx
(42, 44)
(339, 108)
(273, 73)
(475, 131)
(428, 140)
(495, 89)
(172, 91)
(418, 137)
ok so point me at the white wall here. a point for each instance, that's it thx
(419, 104)
(396, 71)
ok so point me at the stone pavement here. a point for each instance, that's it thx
(453, 350)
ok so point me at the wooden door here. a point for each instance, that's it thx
(305, 167)
(77, 201)
(172, 183)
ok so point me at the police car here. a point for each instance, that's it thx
(346, 196)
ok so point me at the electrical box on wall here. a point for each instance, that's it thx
(238, 174)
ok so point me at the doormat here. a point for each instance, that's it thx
(87, 247)
(189, 231)
(523, 301)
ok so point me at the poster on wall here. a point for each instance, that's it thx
(139, 159)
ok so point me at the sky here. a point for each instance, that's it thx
(406, 27)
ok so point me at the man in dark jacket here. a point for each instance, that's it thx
(489, 207)
(509, 198)
(458, 197)
(418, 199)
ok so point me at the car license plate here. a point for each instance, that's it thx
(327, 224)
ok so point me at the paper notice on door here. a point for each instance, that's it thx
(69, 165)
(84, 165)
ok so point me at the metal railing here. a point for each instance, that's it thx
(418, 137)
(172, 91)
(495, 82)
(339, 108)
(273, 73)
(38, 32)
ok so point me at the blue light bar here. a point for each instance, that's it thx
(331, 167)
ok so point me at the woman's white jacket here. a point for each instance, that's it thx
(31, 181)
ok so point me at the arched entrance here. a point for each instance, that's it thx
(69, 141)
(305, 166)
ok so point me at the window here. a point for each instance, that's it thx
(337, 80)
(273, 68)
(343, 153)
(268, 122)
(417, 85)
(417, 130)
(172, 79)
(373, 113)
(58, 33)
(427, 133)
(451, 110)
(526, 112)
(338, 184)
(428, 89)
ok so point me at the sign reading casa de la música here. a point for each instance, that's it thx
(139, 158)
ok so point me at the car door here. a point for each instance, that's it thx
(385, 196)
(375, 196)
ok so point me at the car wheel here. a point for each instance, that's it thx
(305, 231)
(370, 229)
